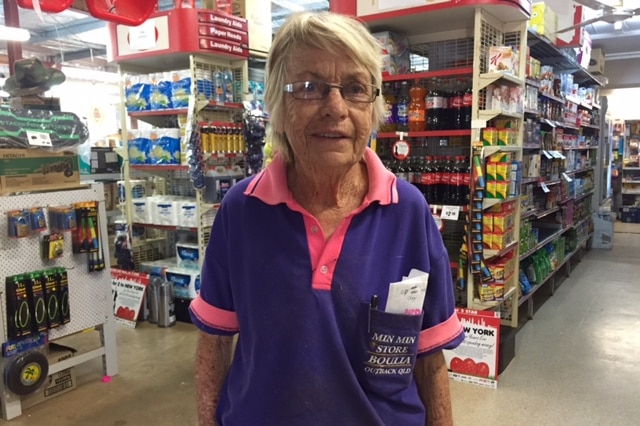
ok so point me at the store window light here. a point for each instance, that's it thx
(14, 34)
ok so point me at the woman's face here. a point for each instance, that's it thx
(328, 132)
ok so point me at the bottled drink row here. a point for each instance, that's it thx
(225, 138)
(420, 105)
(441, 179)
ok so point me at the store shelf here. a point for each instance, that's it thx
(533, 83)
(542, 243)
(159, 167)
(549, 182)
(531, 147)
(589, 126)
(453, 72)
(567, 257)
(580, 222)
(490, 202)
(528, 180)
(100, 177)
(552, 97)
(438, 17)
(490, 150)
(485, 79)
(577, 171)
(548, 54)
(529, 213)
(632, 182)
(484, 306)
(488, 254)
(490, 114)
(586, 194)
(631, 191)
(547, 212)
(630, 168)
(157, 113)
(531, 111)
(425, 134)
(578, 148)
(165, 227)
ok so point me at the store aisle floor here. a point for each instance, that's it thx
(576, 364)
(577, 361)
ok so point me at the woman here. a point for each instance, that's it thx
(301, 257)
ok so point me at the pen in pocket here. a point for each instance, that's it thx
(372, 305)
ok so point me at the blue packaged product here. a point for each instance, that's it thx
(228, 85)
(164, 147)
(160, 97)
(139, 148)
(180, 89)
(218, 86)
(137, 96)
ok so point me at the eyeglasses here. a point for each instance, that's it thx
(316, 90)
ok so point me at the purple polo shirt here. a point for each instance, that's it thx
(310, 350)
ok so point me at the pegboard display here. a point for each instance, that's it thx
(88, 292)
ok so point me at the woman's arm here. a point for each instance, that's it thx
(432, 379)
(213, 358)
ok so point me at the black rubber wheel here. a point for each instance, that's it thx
(25, 373)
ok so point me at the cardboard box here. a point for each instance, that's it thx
(544, 21)
(258, 15)
(502, 59)
(24, 170)
(57, 383)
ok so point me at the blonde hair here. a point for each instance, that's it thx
(338, 34)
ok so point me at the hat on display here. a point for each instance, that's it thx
(32, 77)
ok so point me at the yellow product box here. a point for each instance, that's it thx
(486, 293)
(487, 223)
(497, 271)
(500, 222)
(502, 190)
(489, 136)
(498, 290)
(500, 157)
(503, 137)
(544, 21)
(502, 171)
(491, 170)
(499, 240)
(487, 241)
(531, 165)
(491, 189)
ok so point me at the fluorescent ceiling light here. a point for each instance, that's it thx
(14, 34)
(617, 25)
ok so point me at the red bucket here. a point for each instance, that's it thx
(125, 12)
(51, 6)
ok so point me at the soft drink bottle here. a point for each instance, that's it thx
(389, 123)
(456, 106)
(402, 121)
(465, 186)
(427, 180)
(417, 107)
(467, 102)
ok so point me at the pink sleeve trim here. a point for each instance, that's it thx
(439, 335)
(214, 317)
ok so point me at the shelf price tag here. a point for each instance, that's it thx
(450, 212)
(566, 177)
(545, 188)
(39, 139)
(546, 154)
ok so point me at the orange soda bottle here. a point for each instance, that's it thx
(417, 107)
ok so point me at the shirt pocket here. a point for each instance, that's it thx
(389, 344)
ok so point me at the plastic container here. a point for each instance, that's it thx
(166, 306)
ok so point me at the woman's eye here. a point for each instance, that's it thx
(356, 88)
(309, 86)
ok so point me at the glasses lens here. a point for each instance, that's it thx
(357, 92)
(309, 90)
(314, 90)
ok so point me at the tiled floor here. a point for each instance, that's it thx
(576, 363)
